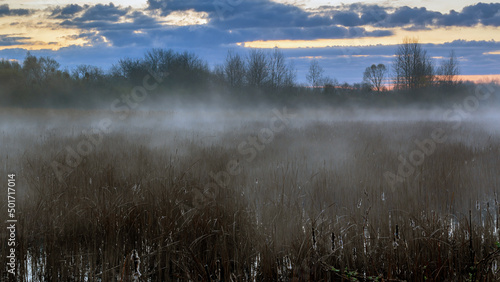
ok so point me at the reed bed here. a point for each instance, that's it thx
(313, 205)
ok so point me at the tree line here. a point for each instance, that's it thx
(40, 81)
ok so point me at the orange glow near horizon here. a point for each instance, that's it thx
(434, 36)
(474, 78)
(480, 78)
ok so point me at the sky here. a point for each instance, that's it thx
(345, 37)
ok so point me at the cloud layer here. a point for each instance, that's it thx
(235, 21)
(6, 11)
(10, 40)
(414, 18)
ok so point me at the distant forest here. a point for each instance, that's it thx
(258, 76)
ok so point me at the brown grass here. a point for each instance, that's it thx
(312, 206)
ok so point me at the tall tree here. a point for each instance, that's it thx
(278, 69)
(234, 69)
(374, 76)
(132, 70)
(88, 73)
(290, 75)
(48, 67)
(159, 60)
(315, 74)
(449, 70)
(258, 68)
(32, 69)
(413, 67)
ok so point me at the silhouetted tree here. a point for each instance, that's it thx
(32, 69)
(258, 68)
(88, 73)
(277, 69)
(234, 69)
(10, 73)
(413, 68)
(448, 71)
(177, 69)
(133, 70)
(11, 79)
(48, 66)
(219, 74)
(188, 70)
(329, 85)
(290, 76)
(315, 74)
(159, 60)
(374, 76)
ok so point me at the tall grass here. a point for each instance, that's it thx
(313, 205)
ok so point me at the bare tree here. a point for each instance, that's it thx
(159, 60)
(131, 69)
(374, 76)
(449, 70)
(219, 73)
(258, 68)
(329, 84)
(39, 69)
(234, 69)
(49, 66)
(290, 75)
(413, 67)
(88, 73)
(315, 74)
(277, 69)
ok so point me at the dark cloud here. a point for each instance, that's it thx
(371, 15)
(168, 6)
(244, 14)
(9, 40)
(67, 11)
(6, 11)
(71, 9)
(128, 38)
(348, 19)
(486, 14)
(99, 12)
(92, 37)
(413, 18)
(106, 18)
(100, 24)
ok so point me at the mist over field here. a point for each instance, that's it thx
(213, 190)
